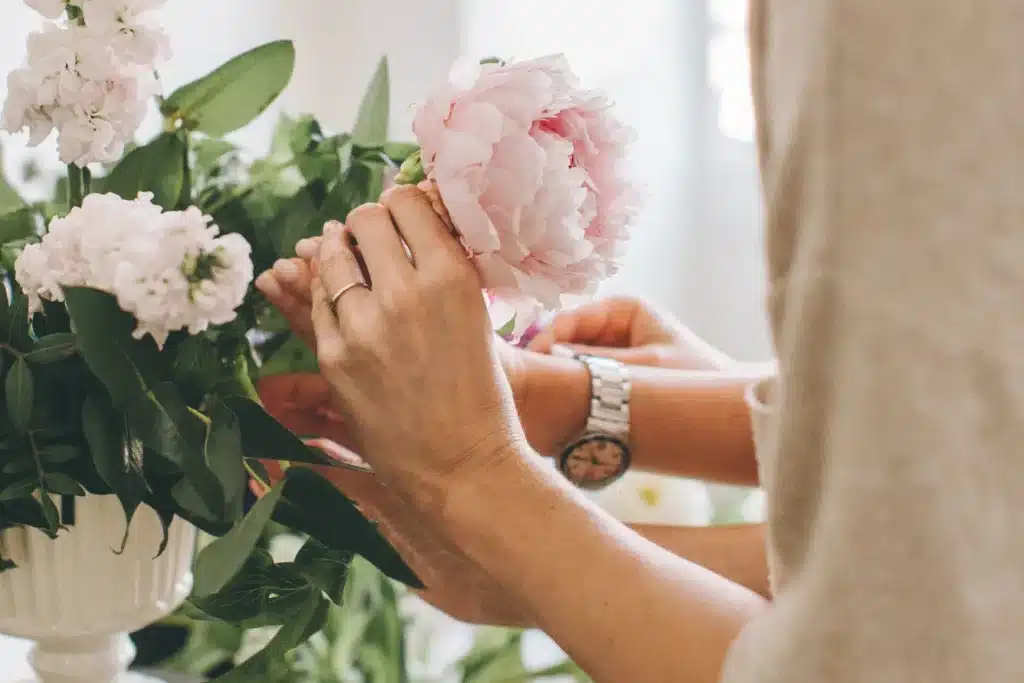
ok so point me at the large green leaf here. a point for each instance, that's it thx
(220, 561)
(116, 453)
(260, 593)
(125, 365)
(313, 506)
(9, 197)
(19, 388)
(226, 457)
(168, 425)
(326, 568)
(296, 219)
(264, 438)
(53, 348)
(158, 167)
(236, 92)
(371, 127)
(16, 224)
(308, 618)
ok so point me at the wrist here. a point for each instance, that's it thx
(555, 402)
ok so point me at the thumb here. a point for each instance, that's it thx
(638, 355)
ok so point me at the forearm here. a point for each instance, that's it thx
(687, 423)
(622, 607)
(735, 552)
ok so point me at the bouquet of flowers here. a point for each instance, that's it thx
(130, 334)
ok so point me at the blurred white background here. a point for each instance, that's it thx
(677, 69)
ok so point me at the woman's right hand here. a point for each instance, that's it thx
(632, 331)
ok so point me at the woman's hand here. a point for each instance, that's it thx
(410, 356)
(632, 331)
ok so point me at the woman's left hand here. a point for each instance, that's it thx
(410, 357)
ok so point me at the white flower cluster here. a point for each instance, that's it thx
(88, 77)
(169, 269)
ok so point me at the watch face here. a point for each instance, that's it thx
(595, 461)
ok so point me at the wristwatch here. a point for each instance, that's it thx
(601, 454)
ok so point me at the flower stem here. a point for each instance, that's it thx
(76, 186)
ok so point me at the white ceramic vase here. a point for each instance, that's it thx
(77, 599)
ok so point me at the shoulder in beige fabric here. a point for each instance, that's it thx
(892, 151)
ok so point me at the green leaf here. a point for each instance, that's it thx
(371, 127)
(287, 354)
(398, 152)
(506, 330)
(235, 93)
(297, 218)
(210, 153)
(116, 453)
(58, 482)
(17, 224)
(158, 167)
(306, 619)
(19, 330)
(261, 593)
(123, 364)
(19, 489)
(20, 393)
(264, 438)
(180, 434)
(53, 348)
(51, 515)
(313, 506)
(58, 453)
(220, 561)
(326, 568)
(9, 198)
(227, 457)
(20, 463)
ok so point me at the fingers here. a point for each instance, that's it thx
(307, 248)
(337, 268)
(607, 322)
(293, 306)
(329, 343)
(418, 222)
(294, 275)
(379, 243)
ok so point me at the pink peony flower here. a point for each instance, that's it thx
(529, 168)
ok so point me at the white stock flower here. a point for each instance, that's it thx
(170, 270)
(51, 9)
(123, 23)
(90, 82)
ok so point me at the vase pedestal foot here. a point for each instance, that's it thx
(90, 659)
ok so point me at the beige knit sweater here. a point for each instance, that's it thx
(891, 135)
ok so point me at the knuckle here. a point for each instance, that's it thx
(399, 301)
(331, 356)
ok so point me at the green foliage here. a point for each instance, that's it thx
(88, 408)
(160, 167)
(234, 94)
(364, 635)
(371, 127)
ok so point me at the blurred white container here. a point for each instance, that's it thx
(78, 599)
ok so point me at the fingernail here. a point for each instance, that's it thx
(286, 270)
(333, 227)
(307, 248)
(268, 284)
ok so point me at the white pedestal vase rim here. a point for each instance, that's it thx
(78, 598)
